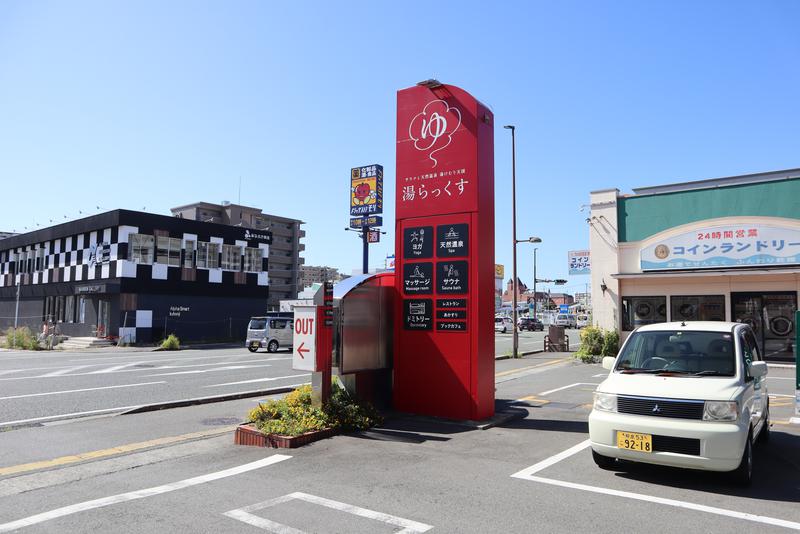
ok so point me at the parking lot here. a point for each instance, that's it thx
(531, 474)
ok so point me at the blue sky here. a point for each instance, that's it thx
(156, 104)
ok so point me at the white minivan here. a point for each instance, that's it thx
(271, 332)
(690, 394)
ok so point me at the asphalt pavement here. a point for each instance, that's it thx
(178, 471)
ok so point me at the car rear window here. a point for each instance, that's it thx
(257, 324)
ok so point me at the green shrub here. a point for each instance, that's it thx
(610, 343)
(23, 339)
(171, 343)
(294, 414)
(596, 343)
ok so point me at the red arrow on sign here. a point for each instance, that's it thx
(301, 350)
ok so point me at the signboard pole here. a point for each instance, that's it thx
(364, 238)
(796, 418)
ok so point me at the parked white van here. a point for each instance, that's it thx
(271, 332)
(565, 320)
(583, 321)
(691, 394)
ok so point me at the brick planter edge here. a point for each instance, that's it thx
(247, 434)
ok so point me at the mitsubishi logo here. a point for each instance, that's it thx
(656, 409)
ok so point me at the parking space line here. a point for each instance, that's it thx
(255, 380)
(548, 392)
(81, 390)
(244, 514)
(528, 474)
(140, 494)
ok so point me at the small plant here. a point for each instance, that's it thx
(610, 343)
(596, 343)
(171, 343)
(294, 414)
(23, 339)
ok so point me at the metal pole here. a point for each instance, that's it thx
(364, 231)
(534, 283)
(16, 316)
(515, 353)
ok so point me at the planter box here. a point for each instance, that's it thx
(250, 435)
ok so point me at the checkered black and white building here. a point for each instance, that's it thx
(135, 275)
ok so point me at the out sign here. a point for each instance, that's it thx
(304, 346)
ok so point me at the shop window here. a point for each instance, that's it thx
(142, 248)
(697, 308)
(69, 315)
(252, 260)
(168, 251)
(639, 311)
(231, 257)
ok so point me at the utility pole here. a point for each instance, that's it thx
(534, 282)
(16, 314)
(514, 281)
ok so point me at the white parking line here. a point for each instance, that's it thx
(528, 474)
(120, 370)
(244, 515)
(548, 392)
(81, 390)
(67, 415)
(140, 494)
(215, 369)
(255, 380)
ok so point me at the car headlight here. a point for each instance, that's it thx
(721, 411)
(605, 402)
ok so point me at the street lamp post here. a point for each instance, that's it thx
(534, 281)
(515, 349)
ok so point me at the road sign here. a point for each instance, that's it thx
(373, 236)
(304, 347)
(360, 222)
(563, 308)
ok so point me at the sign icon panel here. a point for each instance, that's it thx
(452, 276)
(452, 240)
(418, 242)
(418, 314)
(418, 278)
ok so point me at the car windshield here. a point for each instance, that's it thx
(498, 319)
(257, 324)
(563, 317)
(679, 352)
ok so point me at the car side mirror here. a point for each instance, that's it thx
(608, 362)
(757, 369)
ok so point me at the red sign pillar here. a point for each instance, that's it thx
(444, 335)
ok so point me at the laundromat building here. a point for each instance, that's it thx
(724, 249)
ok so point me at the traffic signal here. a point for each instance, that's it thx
(559, 282)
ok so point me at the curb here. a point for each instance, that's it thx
(782, 365)
(208, 400)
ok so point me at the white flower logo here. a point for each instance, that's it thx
(431, 125)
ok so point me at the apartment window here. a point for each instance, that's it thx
(639, 311)
(142, 248)
(168, 251)
(188, 259)
(40, 259)
(252, 260)
(231, 257)
(207, 255)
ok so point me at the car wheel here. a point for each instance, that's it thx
(603, 462)
(743, 474)
(252, 348)
(272, 346)
(763, 437)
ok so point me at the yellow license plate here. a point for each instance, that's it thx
(634, 441)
